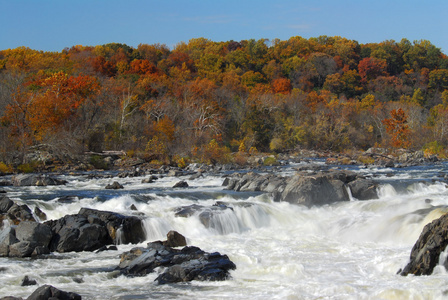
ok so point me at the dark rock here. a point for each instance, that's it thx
(17, 213)
(22, 249)
(51, 293)
(2, 192)
(68, 199)
(26, 281)
(34, 232)
(5, 204)
(426, 252)
(121, 228)
(363, 189)
(186, 264)
(40, 214)
(6, 183)
(181, 184)
(175, 239)
(133, 207)
(76, 233)
(188, 211)
(114, 186)
(196, 176)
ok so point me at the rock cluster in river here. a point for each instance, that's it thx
(179, 265)
(425, 254)
(88, 230)
(309, 189)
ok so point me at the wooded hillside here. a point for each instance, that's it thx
(205, 99)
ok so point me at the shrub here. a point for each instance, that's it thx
(97, 161)
(5, 169)
(270, 161)
(27, 167)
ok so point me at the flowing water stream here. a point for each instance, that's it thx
(349, 250)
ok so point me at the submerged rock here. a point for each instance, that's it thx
(187, 264)
(426, 252)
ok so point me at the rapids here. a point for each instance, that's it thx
(348, 250)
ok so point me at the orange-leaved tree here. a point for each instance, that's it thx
(398, 129)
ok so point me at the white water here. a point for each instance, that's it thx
(349, 250)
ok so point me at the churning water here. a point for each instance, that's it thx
(349, 250)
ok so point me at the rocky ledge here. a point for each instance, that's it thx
(179, 265)
(48, 292)
(425, 254)
(309, 189)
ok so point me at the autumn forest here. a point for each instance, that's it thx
(221, 101)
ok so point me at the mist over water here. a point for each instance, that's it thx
(348, 250)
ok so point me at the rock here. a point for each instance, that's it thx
(363, 189)
(186, 264)
(17, 213)
(6, 183)
(78, 233)
(114, 186)
(175, 239)
(5, 204)
(133, 207)
(426, 252)
(34, 232)
(122, 229)
(187, 211)
(197, 175)
(35, 180)
(40, 214)
(26, 281)
(181, 184)
(7, 238)
(175, 173)
(50, 292)
(314, 190)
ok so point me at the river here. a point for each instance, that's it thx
(347, 250)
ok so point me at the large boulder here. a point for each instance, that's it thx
(35, 180)
(122, 229)
(50, 292)
(178, 265)
(363, 189)
(425, 254)
(78, 233)
(314, 190)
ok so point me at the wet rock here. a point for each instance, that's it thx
(50, 292)
(305, 188)
(17, 213)
(40, 214)
(114, 186)
(425, 253)
(6, 183)
(175, 173)
(129, 228)
(68, 199)
(34, 232)
(363, 189)
(26, 281)
(36, 180)
(187, 264)
(175, 239)
(181, 184)
(187, 211)
(133, 207)
(5, 204)
(314, 190)
(78, 233)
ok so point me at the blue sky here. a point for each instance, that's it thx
(53, 25)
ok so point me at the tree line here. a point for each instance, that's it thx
(203, 99)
